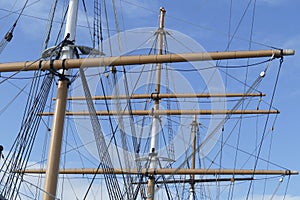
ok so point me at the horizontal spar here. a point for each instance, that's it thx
(167, 171)
(161, 96)
(140, 59)
(169, 112)
(202, 180)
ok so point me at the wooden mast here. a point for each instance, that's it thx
(155, 121)
(52, 170)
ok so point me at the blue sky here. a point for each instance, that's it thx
(275, 24)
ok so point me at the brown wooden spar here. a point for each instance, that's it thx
(161, 96)
(140, 59)
(168, 112)
(168, 171)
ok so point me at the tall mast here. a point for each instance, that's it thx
(52, 170)
(155, 121)
(194, 133)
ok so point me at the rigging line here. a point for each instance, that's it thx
(229, 33)
(44, 100)
(253, 155)
(269, 156)
(169, 121)
(239, 23)
(267, 103)
(25, 139)
(15, 142)
(228, 137)
(12, 100)
(147, 104)
(133, 130)
(203, 68)
(42, 164)
(129, 188)
(104, 157)
(131, 119)
(117, 26)
(61, 26)
(24, 78)
(49, 27)
(122, 16)
(266, 123)
(246, 77)
(276, 189)
(165, 185)
(108, 29)
(253, 86)
(87, 19)
(76, 148)
(39, 18)
(17, 11)
(72, 188)
(129, 102)
(164, 137)
(70, 150)
(11, 7)
(180, 42)
(17, 72)
(200, 26)
(239, 81)
(33, 185)
(286, 188)
(114, 131)
(30, 191)
(9, 35)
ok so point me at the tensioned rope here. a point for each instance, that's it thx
(9, 35)
(22, 147)
(266, 123)
(104, 157)
(245, 80)
(49, 27)
(227, 117)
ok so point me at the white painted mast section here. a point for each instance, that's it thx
(155, 121)
(52, 170)
(68, 52)
(194, 134)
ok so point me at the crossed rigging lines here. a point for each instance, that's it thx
(21, 150)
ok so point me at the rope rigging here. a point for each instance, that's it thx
(266, 122)
(127, 189)
(21, 150)
(9, 35)
(49, 27)
(104, 157)
(97, 26)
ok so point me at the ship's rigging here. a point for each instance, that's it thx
(141, 174)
